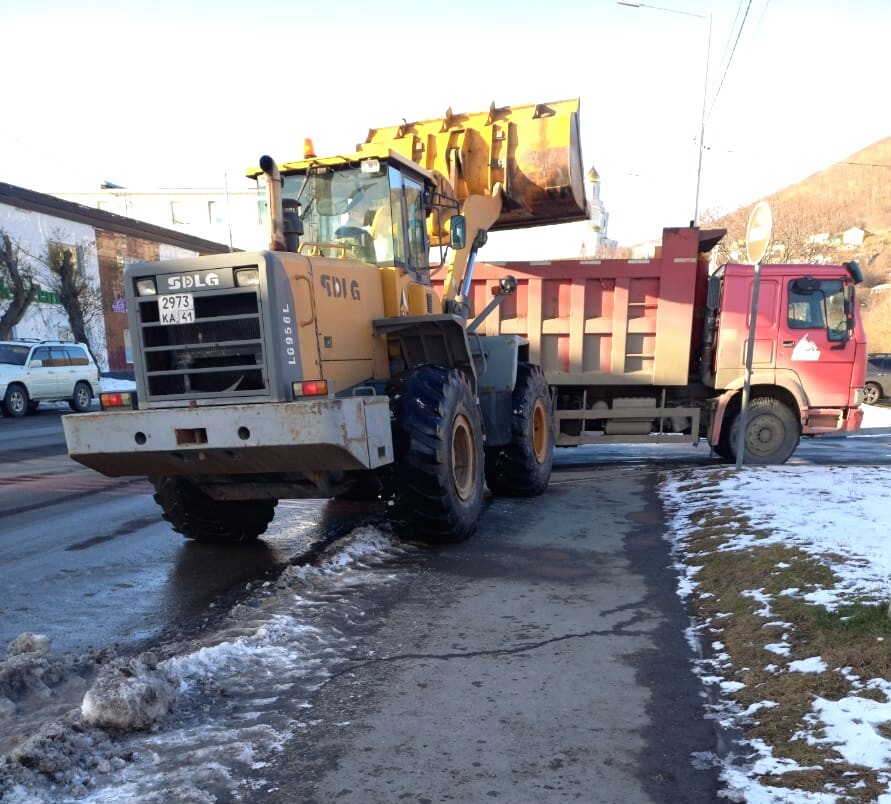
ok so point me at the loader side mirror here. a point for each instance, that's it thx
(458, 231)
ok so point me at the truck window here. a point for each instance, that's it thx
(818, 304)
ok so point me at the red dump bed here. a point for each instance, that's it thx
(607, 322)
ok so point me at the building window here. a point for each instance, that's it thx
(216, 211)
(180, 212)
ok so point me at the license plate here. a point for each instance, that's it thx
(177, 308)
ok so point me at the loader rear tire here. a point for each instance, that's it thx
(437, 487)
(196, 516)
(522, 467)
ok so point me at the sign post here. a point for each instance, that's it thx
(758, 232)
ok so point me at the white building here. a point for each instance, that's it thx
(237, 216)
(233, 216)
(102, 243)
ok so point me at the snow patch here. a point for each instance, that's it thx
(814, 664)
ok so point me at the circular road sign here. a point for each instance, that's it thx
(758, 232)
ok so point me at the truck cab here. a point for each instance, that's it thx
(810, 346)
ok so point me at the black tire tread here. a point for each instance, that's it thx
(196, 516)
(512, 470)
(25, 408)
(758, 406)
(72, 403)
(425, 505)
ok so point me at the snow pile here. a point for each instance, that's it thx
(876, 416)
(130, 695)
(194, 726)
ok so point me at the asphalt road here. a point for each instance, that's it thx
(542, 660)
(88, 560)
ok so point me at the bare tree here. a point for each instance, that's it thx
(16, 275)
(81, 300)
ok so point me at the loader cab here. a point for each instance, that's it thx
(372, 210)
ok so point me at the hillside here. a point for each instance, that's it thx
(811, 217)
(857, 189)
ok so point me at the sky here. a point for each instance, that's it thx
(171, 94)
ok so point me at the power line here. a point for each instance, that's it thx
(730, 58)
(730, 35)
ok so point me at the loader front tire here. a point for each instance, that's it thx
(522, 467)
(196, 516)
(437, 488)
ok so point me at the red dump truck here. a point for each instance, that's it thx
(653, 350)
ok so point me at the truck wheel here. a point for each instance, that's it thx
(871, 393)
(522, 468)
(80, 401)
(196, 516)
(16, 401)
(772, 432)
(437, 486)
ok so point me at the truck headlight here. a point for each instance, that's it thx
(146, 287)
(859, 395)
(245, 277)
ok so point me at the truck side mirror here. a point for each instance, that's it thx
(458, 232)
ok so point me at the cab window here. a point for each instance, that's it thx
(818, 304)
(417, 225)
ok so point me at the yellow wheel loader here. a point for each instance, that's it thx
(328, 365)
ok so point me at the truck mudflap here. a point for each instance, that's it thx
(323, 434)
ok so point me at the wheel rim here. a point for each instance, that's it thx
(764, 435)
(870, 394)
(16, 401)
(83, 398)
(540, 431)
(463, 457)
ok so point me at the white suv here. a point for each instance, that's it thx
(32, 372)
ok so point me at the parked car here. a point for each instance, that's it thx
(878, 378)
(33, 371)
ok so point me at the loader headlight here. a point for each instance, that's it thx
(146, 287)
(245, 277)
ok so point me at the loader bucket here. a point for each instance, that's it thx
(532, 151)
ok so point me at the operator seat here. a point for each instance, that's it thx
(359, 243)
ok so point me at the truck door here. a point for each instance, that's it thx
(814, 341)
